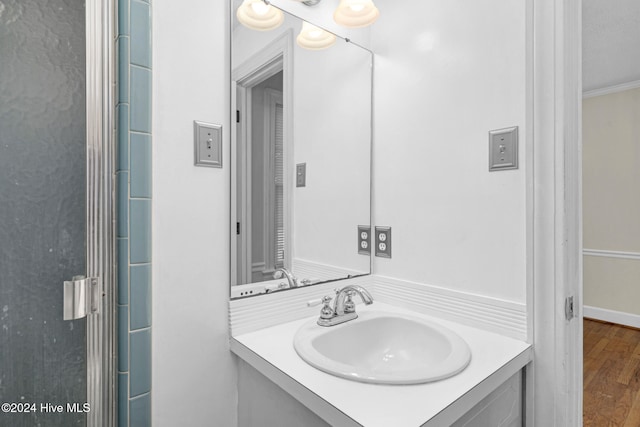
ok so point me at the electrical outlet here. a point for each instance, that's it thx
(207, 140)
(383, 242)
(364, 240)
(503, 149)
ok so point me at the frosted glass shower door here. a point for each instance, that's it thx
(43, 368)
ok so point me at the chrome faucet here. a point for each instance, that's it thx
(280, 272)
(344, 309)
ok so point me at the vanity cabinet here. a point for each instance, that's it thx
(261, 403)
(501, 408)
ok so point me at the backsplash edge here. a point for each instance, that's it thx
(507, 318)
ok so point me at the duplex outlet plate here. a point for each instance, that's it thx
(383, 242)
(207, 140)
(364, 240)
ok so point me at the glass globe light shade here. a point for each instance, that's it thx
(314, 38)
(258, 15)
(356, 13)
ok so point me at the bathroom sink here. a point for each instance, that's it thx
(383, 348)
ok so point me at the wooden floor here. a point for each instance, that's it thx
(611, 375)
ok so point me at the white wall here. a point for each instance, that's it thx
(332, 133)
(444, 78)
(611, 201)
(194, 374)
(610, 43)
(447, 75)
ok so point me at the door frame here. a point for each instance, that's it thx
(275, 57)
(101, 232)
(554, 209)
(271, 99)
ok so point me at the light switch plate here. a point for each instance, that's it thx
(503, 149)
(301, 175)
(364, 240)
(207, 139)
(383, 242)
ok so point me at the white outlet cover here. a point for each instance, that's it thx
(383, 242)
(364, 234)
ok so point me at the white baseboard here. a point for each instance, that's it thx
(612, 316)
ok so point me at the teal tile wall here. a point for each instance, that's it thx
(123, 399)
(139, 231)
(140, 368)
(140, 165)
(133, 183)
(122, 180)
(140, 411)
(140, 36)
(123, 262)
(140, 296)
(140, 96)
(123, 136)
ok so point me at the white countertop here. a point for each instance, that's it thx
(494, 359)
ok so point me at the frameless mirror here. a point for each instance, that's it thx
(300, 157)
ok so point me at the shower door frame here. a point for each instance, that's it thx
(100, 212)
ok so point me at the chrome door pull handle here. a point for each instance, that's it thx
(81, 297)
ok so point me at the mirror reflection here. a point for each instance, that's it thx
(300, 154)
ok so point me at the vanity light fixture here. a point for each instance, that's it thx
(356, 13)
(262, 16)
(258, 15)
(352, 13)
(314, 38)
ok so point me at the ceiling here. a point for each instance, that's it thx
(610, 43)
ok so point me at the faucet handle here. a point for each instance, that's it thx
(326, 312)
(305, 282)
(324, 300)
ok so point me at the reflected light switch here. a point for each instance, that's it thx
(301, 175)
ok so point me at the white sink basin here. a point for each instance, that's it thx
(383, 348)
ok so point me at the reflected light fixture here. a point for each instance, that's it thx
(356, 13)
(258, 15)
(314, 38)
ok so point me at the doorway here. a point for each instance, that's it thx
(261, 174)
(262, 163)
(611, 208)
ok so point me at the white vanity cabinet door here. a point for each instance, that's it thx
(262, 403)
(501, 408)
